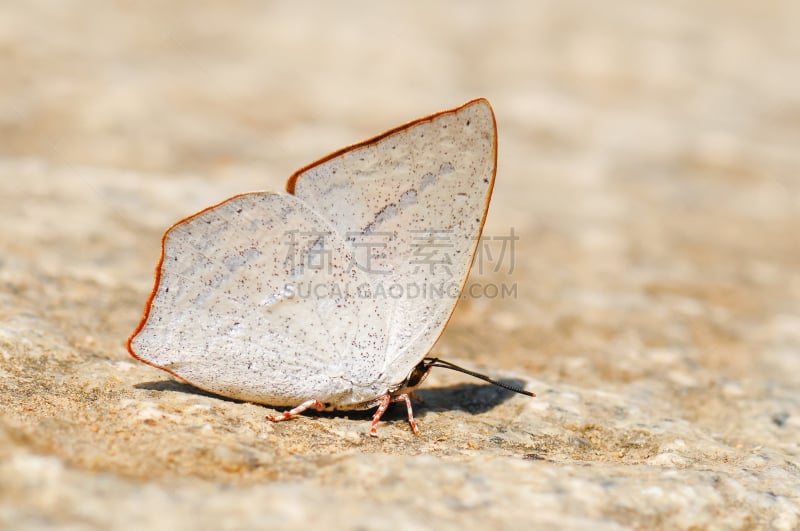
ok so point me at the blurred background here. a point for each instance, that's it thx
(646, 149)
(648, 162)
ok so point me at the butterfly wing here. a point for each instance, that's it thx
(411, 203)
(255, 299)
(228, 312)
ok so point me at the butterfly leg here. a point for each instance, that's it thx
(385, 401)
(406, 397)
(316, 404)
(384, 404)
(414, 396)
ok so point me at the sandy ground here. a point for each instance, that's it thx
(648, 164)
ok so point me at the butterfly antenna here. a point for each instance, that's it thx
(436, 362)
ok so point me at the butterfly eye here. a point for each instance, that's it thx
(418, 374)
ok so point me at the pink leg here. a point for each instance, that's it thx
(407, 399)
(385, 401)
(414, 396)
(316, 404)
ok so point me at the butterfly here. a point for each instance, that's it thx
(329, 296)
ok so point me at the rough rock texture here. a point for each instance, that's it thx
(648, 163)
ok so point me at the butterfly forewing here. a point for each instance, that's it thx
(413, 201)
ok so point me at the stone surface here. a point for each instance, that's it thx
(648, 164)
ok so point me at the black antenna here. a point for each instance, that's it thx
(436, 362)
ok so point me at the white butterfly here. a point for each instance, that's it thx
(387, 228)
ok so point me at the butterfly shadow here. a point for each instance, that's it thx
(470, 397)
(175, 386)
(474, 398)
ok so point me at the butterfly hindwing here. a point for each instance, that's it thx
(244, 306)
